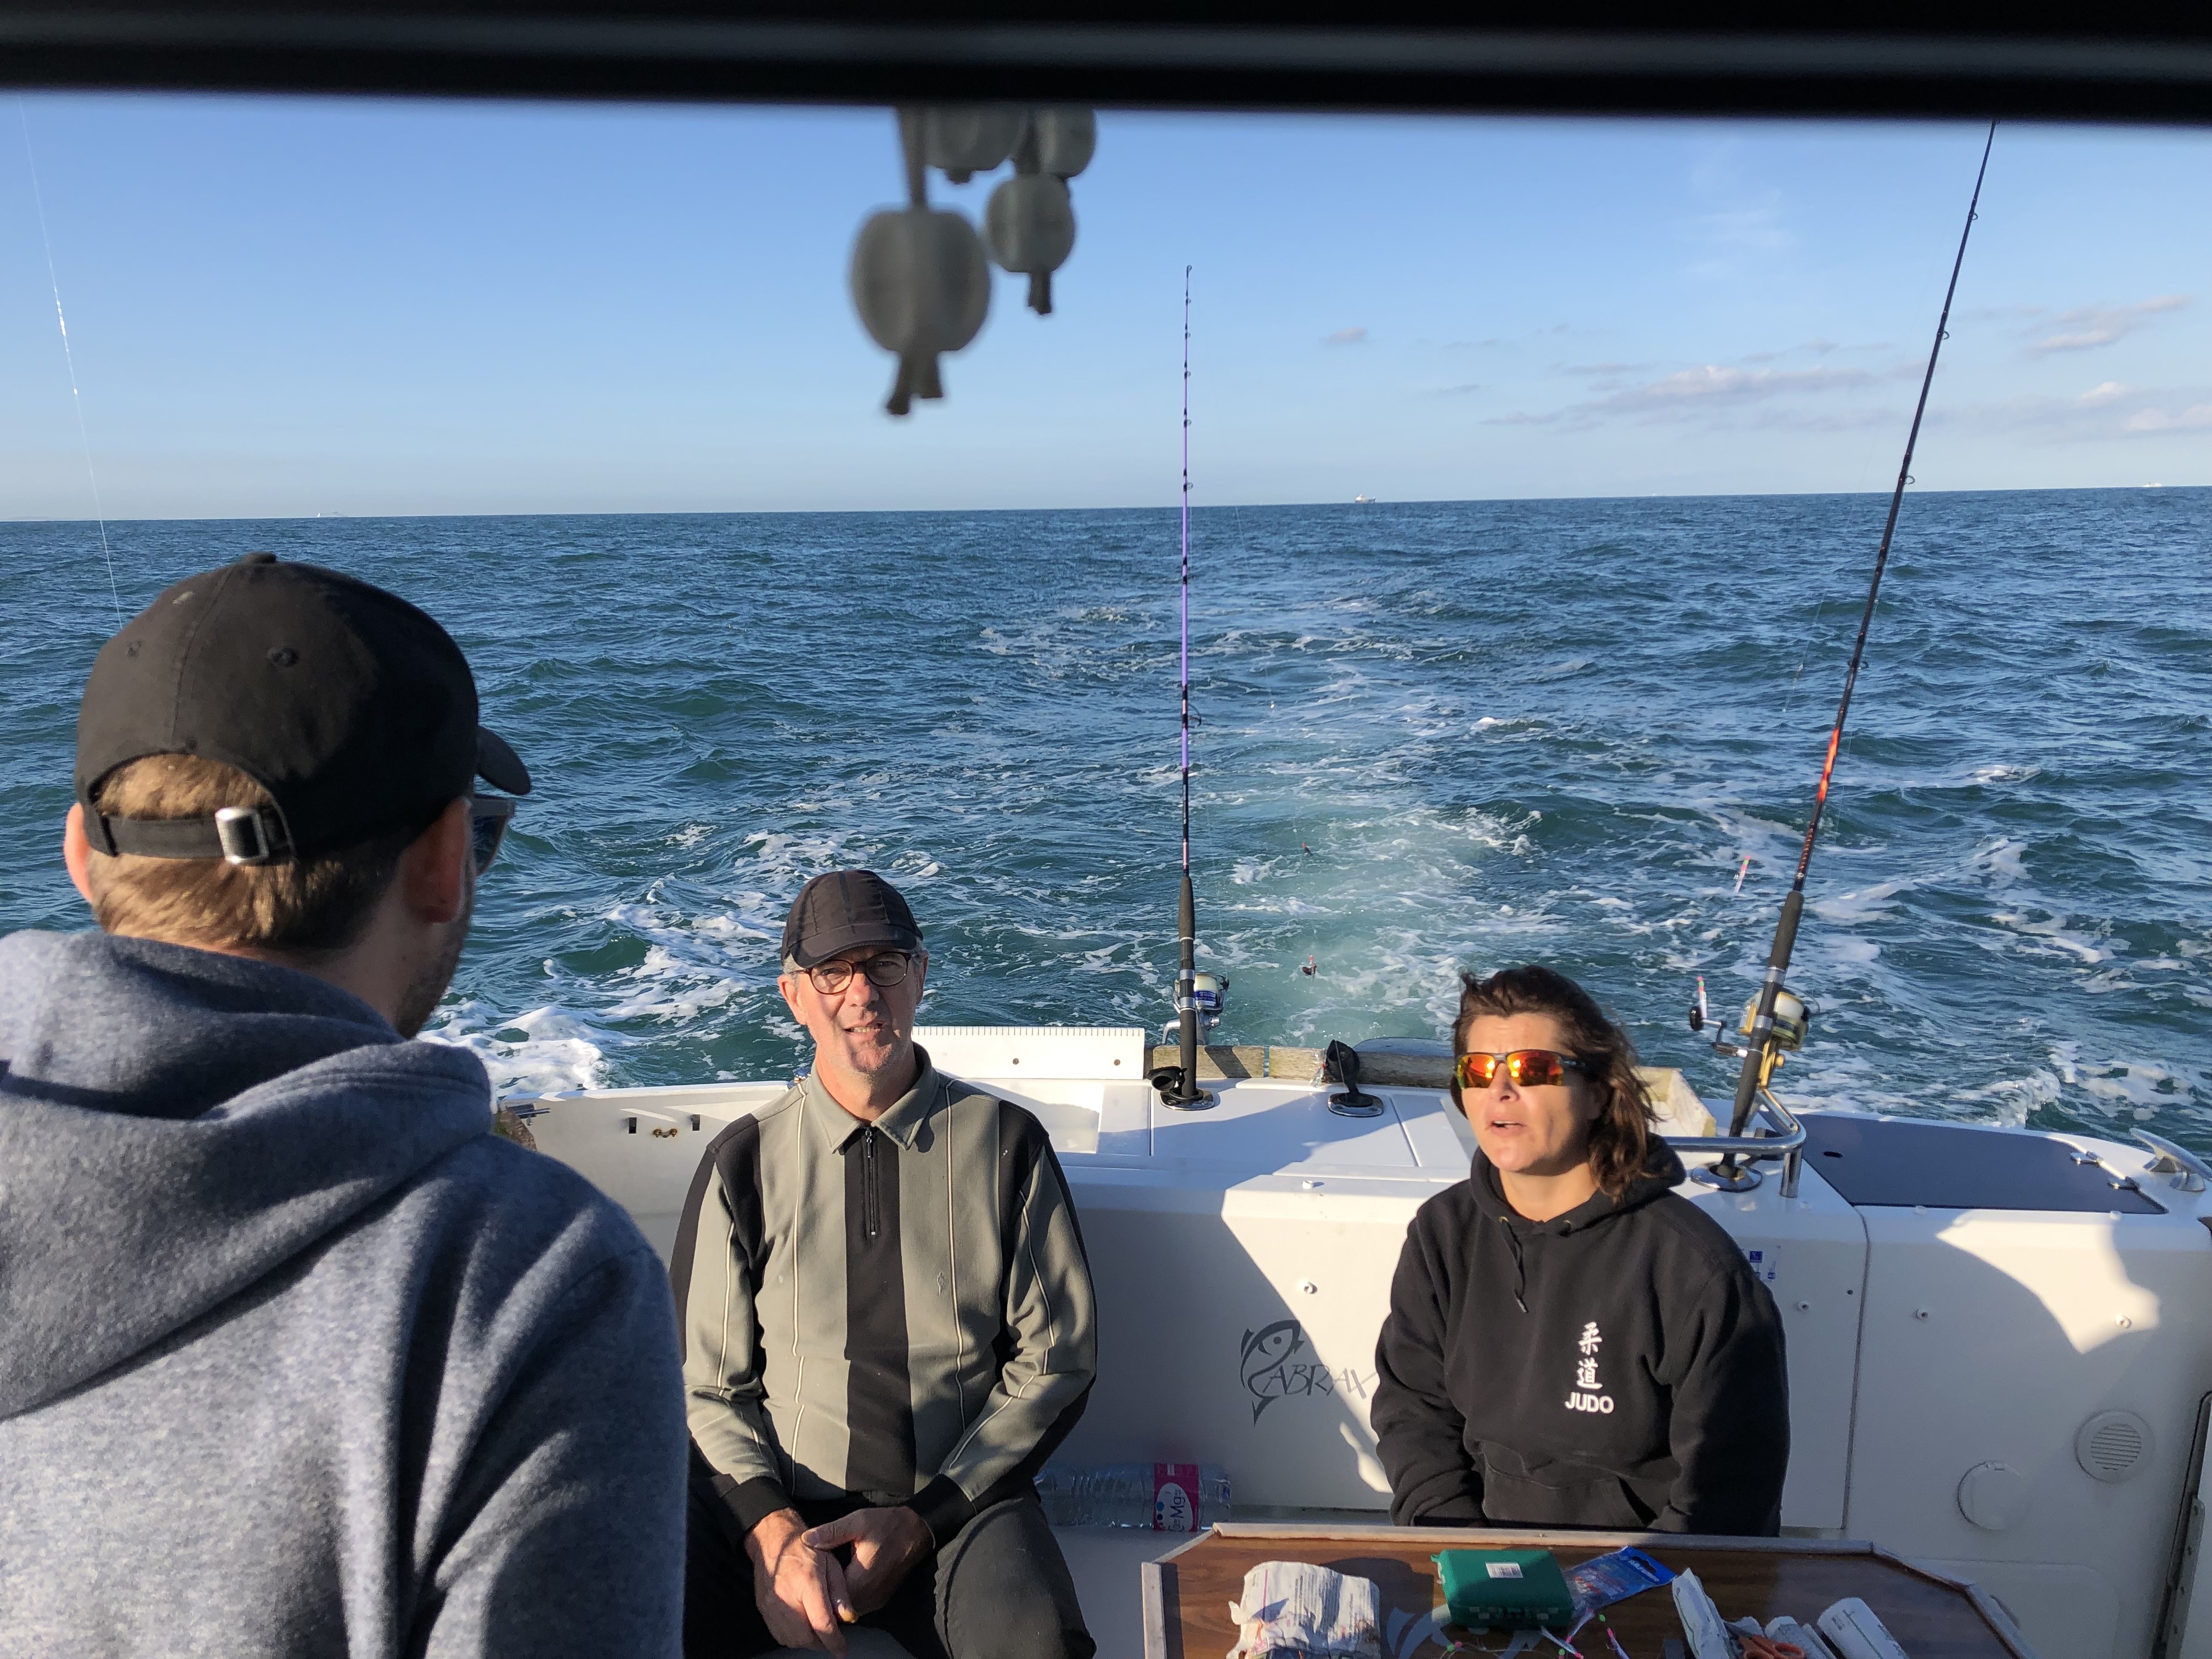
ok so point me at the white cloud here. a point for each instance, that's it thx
(1713, 392)
(1356, 334)
(2087, 327)
(2197, 418)
(2107, 412)
(1713, 384)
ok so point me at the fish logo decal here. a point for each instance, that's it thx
(1265, 1365)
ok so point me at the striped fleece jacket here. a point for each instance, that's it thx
(898, 1312)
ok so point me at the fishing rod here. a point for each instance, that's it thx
(1762, 1050)
(1197, 995)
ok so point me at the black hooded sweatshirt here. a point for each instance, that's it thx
(1617, 1367)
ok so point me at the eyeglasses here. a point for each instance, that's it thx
(489, 817)
(887, 969)
(1527, 1067)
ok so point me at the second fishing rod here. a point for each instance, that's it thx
(1762, 1042)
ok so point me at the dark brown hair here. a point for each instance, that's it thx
(1620, 1139)
(308, 908)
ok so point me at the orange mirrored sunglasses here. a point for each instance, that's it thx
(1526, 1066)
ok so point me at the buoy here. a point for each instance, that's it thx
(1031, 221)
(966, 139)
(1065, 139)
(1030, 226)
(922, 288)
(920, 281)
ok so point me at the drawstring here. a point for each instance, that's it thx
(1520, 1267)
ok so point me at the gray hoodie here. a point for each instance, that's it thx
(295, 1357)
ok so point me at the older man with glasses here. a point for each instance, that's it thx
(887, 1325)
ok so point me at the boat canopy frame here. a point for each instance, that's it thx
(2131, 63)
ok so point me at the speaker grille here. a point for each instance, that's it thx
(2113, 1446)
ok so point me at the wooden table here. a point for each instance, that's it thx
(1187, 1591)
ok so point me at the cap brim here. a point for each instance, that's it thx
(499, 765)
(835, 944)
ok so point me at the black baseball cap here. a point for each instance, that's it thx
(355, 711)
(843, 910)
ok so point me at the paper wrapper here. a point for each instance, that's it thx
(1289, 1610)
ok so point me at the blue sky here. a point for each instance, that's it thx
(284, 307)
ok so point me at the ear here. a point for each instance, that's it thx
(76, 853)
(788, 984)
(1597, 1097)
(436, 870)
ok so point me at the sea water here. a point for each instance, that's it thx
(1433, 736)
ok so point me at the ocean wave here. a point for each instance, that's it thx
(718, 709)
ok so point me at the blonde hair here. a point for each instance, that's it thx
(310, 908)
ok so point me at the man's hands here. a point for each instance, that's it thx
(800, 1590)
(886, 1544)
(806, 1594)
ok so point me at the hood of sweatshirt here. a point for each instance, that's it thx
(1663, 1172)
(176, 1126)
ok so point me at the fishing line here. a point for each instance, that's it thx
(1789, 706)
(1759, 1053)
(76, 398)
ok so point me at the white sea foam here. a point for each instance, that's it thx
(664, 988)
(2003, 774)
(2141, 1084)
(2045, 935)
(2013, 1099)
(539, 1052)
(1863, 905)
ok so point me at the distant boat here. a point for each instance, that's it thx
(1362, 501)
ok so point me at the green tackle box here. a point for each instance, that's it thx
(1505, 1590)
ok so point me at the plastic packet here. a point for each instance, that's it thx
(1604, 1579)
(1701, 1622)
(1292, 1606)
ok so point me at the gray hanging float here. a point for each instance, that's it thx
(1030, 224)
(920, 281)
(965, 139)
(921, 278)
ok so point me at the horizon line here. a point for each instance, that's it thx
(1167, 506)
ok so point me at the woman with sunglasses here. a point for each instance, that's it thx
(1571, 1342)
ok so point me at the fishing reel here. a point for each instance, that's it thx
(1203, 994)
(1793, 1018)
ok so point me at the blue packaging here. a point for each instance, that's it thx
(1604, 1579)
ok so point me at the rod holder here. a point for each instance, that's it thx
(1169, 1081)
(1734, 1174)
(1341, 1063)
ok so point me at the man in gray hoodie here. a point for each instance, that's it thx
(296, 1357)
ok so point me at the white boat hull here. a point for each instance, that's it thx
(1941, 1359)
